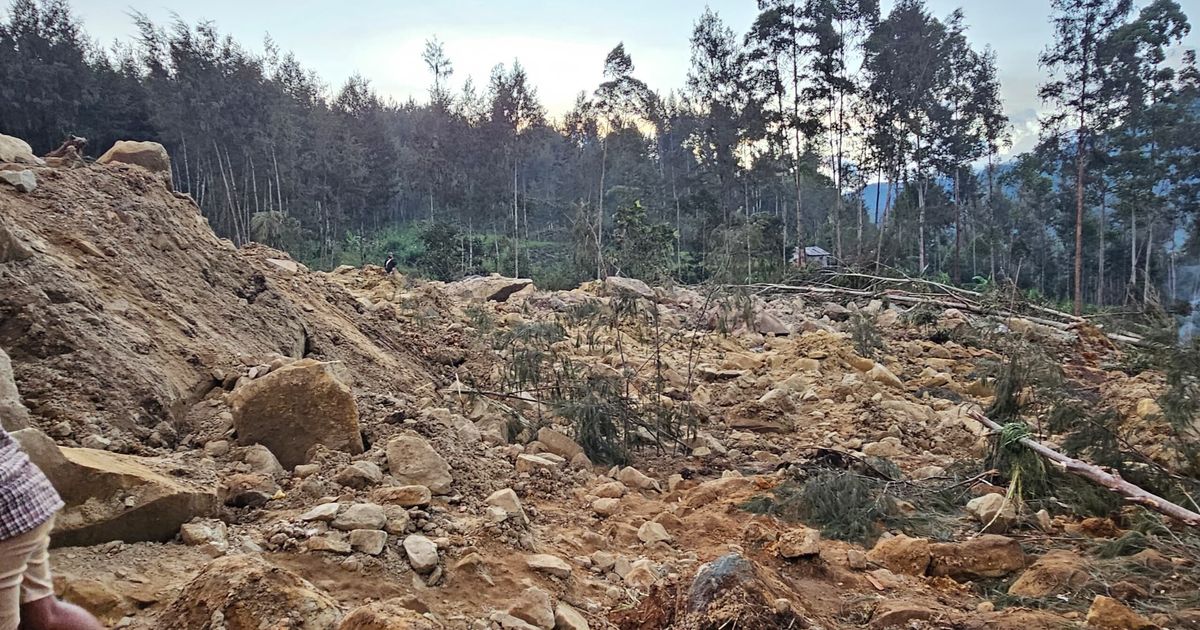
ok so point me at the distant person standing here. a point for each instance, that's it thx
(28, 504)
(389, 265)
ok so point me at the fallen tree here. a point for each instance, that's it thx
(949, 300)
(1099, 476)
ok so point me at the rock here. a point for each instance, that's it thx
(857, 560)
(994, 511)
(294, 408)
(110, 496)
(359, 475)
(606, 507)
(13, 414)
(247, 490)
(889, 447)
(884, 376)
(988, 556)
(17, 151)
(389, 614)
(422, 553)
(1044, 522)
(12, 249)
(325, 512)
(208, 533)
(24, 181)
(633, 478)
(641, 575)
(493, 288)
(651, 532)
(326, 543)
(629, 286)
(778, 400)
(96, 597)
(507, 501)
(799, 542)
(360, 516)
(404, 496)
(900, 614)
(567, 618)
(528, 463)
(549, 564)
(901, 554)
(610, 490)
(835, 312)
(261, 460)
(1107, 613)
(414, 462)
(247, 593)
(558, 443)
(535, 607)
(1056, 572)
(151, 156)
(727, 574)
(1148, 408)
(581, 462)
(398, 520)
(368, 541)
(766, 323)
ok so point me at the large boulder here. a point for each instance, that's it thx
(12, 248)
(902, 554)
(1107, 613)
(247, 593)
(110, 496)
(16, 151)
(151, 156)
(294, 408)
(13, 414)
(493, 288)
(616, 285)
(24, 181)
(414, 462)
(558, 443)
(988, 556)
(389, 614)
(1059, 571)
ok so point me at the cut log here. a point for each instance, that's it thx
(1115, 483)
(941, 301)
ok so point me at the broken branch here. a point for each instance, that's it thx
(1115, 483)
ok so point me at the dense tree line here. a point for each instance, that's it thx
(876, 136)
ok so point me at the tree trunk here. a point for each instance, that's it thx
(1126, 490)
(1100, 265)
(1079, 175)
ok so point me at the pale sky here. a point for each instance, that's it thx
(561, 44)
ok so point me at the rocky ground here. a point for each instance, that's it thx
(245, 443)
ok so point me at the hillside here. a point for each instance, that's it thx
(245, 443)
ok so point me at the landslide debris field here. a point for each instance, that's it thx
(244, 443)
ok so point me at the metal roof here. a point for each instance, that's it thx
(815, 251)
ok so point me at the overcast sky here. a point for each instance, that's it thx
(562, 44)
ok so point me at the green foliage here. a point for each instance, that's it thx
(842, 504)
(275, 229)
(446, 254)
(640, 248)
(865, 335)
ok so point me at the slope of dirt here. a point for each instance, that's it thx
(130, 293)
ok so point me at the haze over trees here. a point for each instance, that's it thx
(878, 137)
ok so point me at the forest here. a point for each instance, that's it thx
(880, 137)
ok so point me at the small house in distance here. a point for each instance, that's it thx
(812, 255)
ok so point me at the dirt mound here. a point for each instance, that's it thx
(131, 311)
